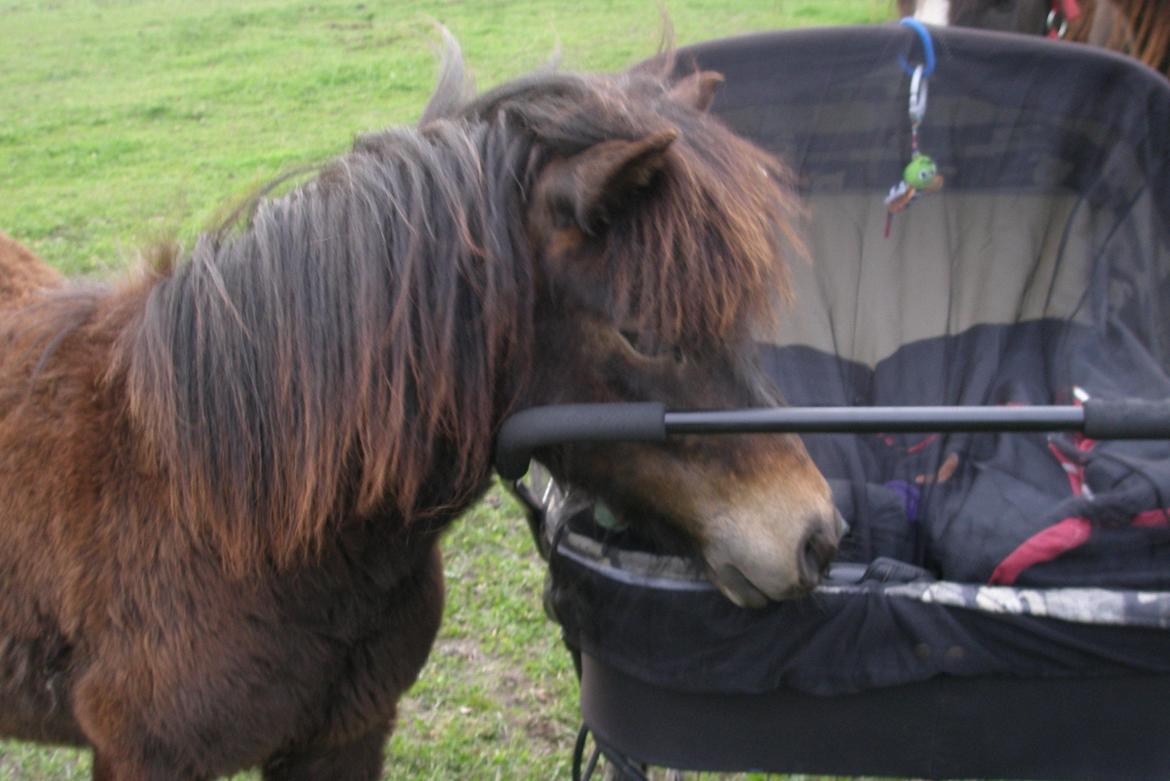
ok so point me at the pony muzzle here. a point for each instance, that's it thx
(765, 558)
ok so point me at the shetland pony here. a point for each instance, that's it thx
(1140, 28)
(224, 482)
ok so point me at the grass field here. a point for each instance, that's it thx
(122, 122)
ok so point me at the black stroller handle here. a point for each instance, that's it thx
(536, 427)
(1127, 419)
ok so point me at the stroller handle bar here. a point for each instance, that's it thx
(537, 427)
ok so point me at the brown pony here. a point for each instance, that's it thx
(224, 482)
(1140, 28)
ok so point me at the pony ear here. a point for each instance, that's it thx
(697, 90)
(596, 182)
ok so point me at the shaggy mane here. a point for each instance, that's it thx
(366, 333)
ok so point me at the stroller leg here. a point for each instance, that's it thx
(618, 766)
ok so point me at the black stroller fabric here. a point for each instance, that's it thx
(1039, 274)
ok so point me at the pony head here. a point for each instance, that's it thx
(658, 243)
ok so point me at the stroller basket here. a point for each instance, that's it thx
(1000, 607)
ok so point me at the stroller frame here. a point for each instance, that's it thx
(946, 727)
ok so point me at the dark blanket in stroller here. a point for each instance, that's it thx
(1008, 509)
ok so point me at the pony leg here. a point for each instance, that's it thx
(121, 750)
(360, 760)
(106, 769)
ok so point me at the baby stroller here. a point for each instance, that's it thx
(1000, 607)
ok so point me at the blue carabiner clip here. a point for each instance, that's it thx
(927, 48)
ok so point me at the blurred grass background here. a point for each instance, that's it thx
(126, 121)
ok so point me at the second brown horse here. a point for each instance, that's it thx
(1139, 28)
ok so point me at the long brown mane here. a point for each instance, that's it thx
(361, 336)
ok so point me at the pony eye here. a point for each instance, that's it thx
(562, 218)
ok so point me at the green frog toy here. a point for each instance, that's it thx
(919, 176)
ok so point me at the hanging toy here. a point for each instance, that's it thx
(921, 174)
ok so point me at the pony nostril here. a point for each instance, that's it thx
(815, 554)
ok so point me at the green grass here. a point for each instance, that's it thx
(122, 122)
